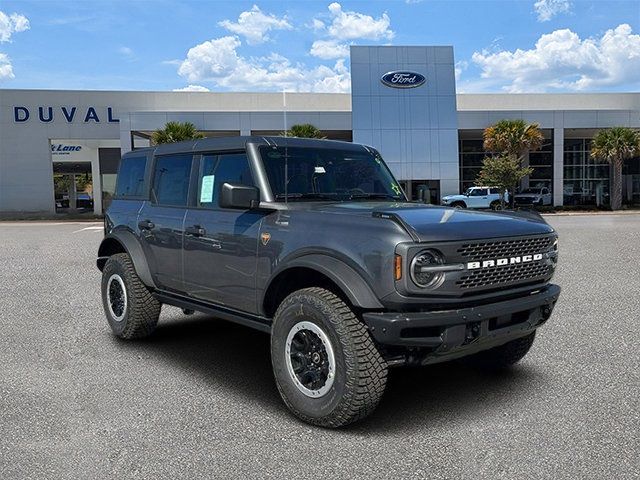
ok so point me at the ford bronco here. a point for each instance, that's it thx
(315, 243)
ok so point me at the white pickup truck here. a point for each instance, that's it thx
(476, 197)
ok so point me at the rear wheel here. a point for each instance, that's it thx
(496, 205)
(327, 368)
(505, 355)
(131, 310)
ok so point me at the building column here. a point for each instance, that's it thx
(558, 166)
(525, 163)
(96, 183)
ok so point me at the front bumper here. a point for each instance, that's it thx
(455, 333)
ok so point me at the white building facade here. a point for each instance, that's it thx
(59, 150)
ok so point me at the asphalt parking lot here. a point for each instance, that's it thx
(198, 399)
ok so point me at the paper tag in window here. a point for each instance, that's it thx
(320, 170)
(206, 192)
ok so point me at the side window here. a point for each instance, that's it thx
(130, 181)
(218, 169)
(545, 191)
(171, 180)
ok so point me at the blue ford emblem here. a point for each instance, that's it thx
(401, 79)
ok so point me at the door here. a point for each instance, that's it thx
(220, 245)
(161, 220)
(478, 198)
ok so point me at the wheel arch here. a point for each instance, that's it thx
(321, 271)
(125, 242)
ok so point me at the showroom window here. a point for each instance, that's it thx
(586, 181)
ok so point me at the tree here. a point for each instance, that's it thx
(176, 132)
(304, 130)
(614, 146)
(512, 139)
(504, 172)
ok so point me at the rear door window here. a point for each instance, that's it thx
(171, 180)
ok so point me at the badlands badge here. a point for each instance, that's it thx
(265, 237)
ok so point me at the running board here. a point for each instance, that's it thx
(247, 319)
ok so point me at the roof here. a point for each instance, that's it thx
(240, 142)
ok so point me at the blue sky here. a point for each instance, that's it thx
(500, 46)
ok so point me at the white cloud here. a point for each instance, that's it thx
(354, 25)
(192, 88)
(317, 25)
(6, 70)
(547, 9)
(561, 60)
(329, 49)
(218, 61)
(127, 53)
(254, 25)
(10, 24)
(460, 67)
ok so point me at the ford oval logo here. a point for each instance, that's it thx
(401, 79)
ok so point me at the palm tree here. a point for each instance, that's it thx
(304, 130)
(513, 139)
(176, 132)
(614, 146)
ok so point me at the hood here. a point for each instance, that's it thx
(433, 223)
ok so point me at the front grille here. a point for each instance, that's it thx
(503, 275)
(505, 248)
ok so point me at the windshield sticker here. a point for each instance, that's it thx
(206, 192)
(320, 170)
(396, 189)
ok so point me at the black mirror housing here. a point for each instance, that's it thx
(235, 195)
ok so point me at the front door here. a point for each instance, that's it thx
(161, 220)
(220, 245)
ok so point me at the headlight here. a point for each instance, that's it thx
(424, 269)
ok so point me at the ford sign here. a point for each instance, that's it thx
(403, 79)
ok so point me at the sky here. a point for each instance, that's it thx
(511, 46)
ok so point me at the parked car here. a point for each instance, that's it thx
(476, 197)
(538, 196)
(314, 243)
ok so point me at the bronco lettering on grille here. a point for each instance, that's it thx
(499, 262)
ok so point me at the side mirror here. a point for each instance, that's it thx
(235, 195)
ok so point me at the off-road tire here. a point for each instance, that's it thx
(360, 371)
(496, 205)
(504, 356)
(142, 308)
(459, 205)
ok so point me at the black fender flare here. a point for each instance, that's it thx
(345, 277)
(131, 245)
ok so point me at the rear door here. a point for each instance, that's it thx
(220, 245)
(161, 219)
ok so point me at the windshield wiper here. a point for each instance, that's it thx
(367, 196)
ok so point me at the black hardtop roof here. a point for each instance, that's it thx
(239, 143)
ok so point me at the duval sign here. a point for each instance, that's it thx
(47, 114)
(403, 79)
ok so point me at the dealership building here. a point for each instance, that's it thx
(59, 149)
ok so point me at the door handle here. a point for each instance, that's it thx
(196, 231)
(146, 225)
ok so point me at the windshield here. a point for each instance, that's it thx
(531, 190)
(328, 174)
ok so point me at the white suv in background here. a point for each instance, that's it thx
(476, 197)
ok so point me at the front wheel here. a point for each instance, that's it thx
(327, 368)
(458, 205)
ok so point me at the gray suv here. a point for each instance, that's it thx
(314, 243)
